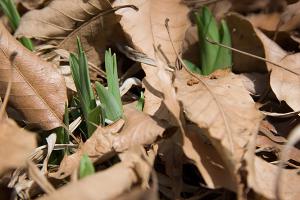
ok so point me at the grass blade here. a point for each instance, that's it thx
(80, 72)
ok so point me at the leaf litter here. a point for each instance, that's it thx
(232, 133)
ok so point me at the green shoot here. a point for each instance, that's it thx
(212, 56)
(13, 15)
(112, 76)
(86, 167)
(141, 102)
(110, 98)
(62, 134)
(79, 67)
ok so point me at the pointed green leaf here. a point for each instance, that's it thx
(207, 28)
(141, 102)
(192, 67)
(86, 167)
(224, 59)
(93, 119)
(112, 76)
(109, 104)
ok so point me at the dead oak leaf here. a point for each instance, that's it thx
(107, 184)
(62, 21)
(285, 82)
(225, 109)
(284, 78)
(146, 30)
(38, 90)
(15, 142)
(206, 158)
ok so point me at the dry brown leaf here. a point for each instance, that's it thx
(290, 18)
(208, 161)
(107, 184)
(244, 39)
(265, 21)
(137, 129)
(225, 109)
(63, 20)
(16, 144)
(32, 4)
(263, 180)
(147, 32)
(284, 78)
(146, 27)
(255, 83)
(285, 83)
(38, 90)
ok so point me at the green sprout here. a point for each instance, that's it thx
(86, 167)
(212, 56)
(141, 102)
(62, 133)
(110, 98)
(13, 15)
(80, 72)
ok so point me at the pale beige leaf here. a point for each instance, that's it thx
(263, 180)
(63, 20)
(38, 90)
(135, 168)
(137, 129)
(39, 177)
(32, 4)
(224, 108)
(284, 79)
(146, 27)
(208, 161)
(147, 32)
(290, 18)
(285, 83)
(15, 142)
(107, 184)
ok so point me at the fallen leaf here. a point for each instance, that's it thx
(284, 77)
(146, 30)
(16, 142)
(135, 166)
(285, 81)
(38, 90)
(32, 4)
(146, 131)
(269, 21)
(244, 39)
(290, 18)
(225, 109)
(39, 177)
(263, 180)
(107, 184)
(62, 21)
(255, 83)
(137, 129)
(198, 148)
